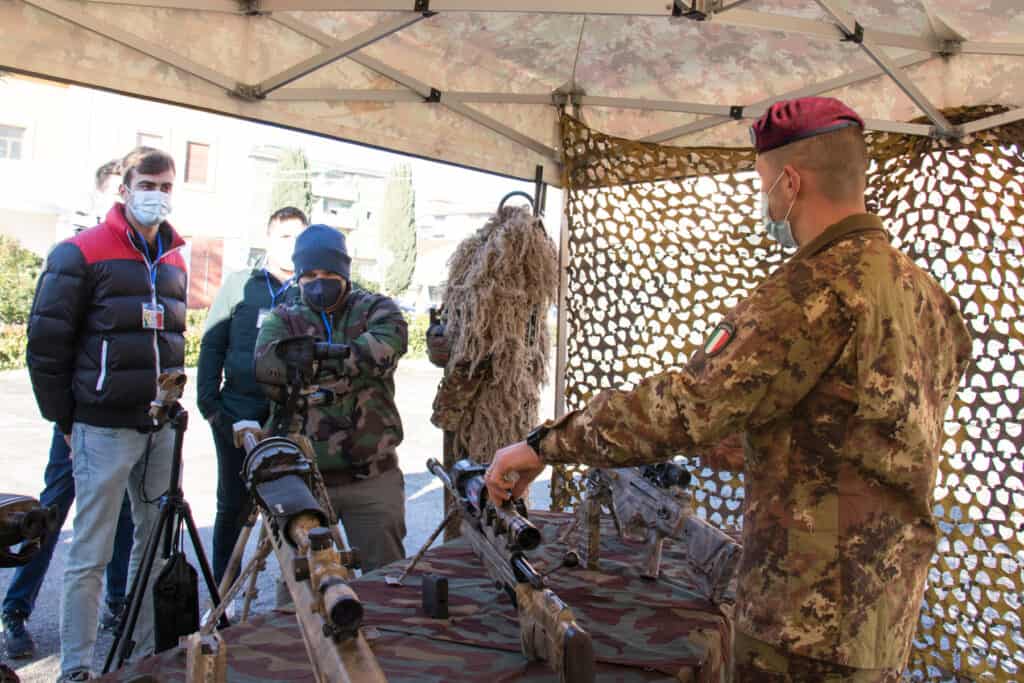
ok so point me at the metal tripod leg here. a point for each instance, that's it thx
(174, 510)
(122, 646)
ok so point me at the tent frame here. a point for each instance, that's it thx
(842, 27)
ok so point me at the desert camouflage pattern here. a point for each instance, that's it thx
(839, 374)
(362, 428)
(642, 630)
(758, 662)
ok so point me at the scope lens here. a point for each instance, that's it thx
(347, 614)
(525, 535)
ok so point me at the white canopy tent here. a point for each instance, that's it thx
(479, 82)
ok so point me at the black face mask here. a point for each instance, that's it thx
(323, 294)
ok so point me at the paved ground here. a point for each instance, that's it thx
(23, 454)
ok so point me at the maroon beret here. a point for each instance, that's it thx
(791, 120)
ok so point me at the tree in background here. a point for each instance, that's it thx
(19, 270)
(397, 221)
(292, 186)
(362, 282)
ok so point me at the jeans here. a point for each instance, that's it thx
(233, 503)
(59, 491)
(106, 462)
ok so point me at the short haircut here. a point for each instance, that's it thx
(287, 213)
(839, 160)
(145, 160)
(111, 168)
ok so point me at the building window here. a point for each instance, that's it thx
(149, 140)
(197, 163)
(12, 140)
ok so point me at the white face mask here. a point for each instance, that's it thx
(781, 231)
(279, 254)
(149, 207)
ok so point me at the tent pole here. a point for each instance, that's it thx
(855, 33)
(539, 190)
(758, 108)
(563, 313)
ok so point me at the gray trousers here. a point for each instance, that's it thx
(372, 513)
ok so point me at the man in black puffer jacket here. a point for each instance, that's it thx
(108, 317)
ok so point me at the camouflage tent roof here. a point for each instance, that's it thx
(479, 82)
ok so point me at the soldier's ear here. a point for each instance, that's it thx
(792, 181)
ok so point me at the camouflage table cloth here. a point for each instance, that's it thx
(642, 630)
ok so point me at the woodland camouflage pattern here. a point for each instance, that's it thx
(642, 630)
(362, 427)
(841, 370)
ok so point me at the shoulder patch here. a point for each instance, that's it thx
(719, 339)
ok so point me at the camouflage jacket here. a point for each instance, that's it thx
(361, 430)
(839, 370)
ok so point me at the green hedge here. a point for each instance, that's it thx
(19, 270)
(13, 339)
(12, 346)
(418, 324)
(194, 323)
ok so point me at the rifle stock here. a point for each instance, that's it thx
(551, 634)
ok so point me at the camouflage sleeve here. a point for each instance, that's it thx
(377, 350)
(777, 349)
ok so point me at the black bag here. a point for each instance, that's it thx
(175, 600)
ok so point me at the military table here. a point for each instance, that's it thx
(642, 630)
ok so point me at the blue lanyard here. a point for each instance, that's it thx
(273, 295)
(145, 254)
(327, 324)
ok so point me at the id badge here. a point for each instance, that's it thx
(152, 316)
(263, 314)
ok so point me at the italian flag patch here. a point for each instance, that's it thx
(719, 339)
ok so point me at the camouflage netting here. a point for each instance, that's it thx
(663, 240)
(501, 282)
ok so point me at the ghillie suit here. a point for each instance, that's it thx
(501, 282)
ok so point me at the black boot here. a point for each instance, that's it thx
(16, 637)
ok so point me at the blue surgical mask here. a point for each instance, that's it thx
(781, 231)
(149, 207)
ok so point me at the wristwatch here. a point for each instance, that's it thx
(534, 438)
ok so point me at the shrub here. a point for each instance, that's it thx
(194, 322)
(19, 270)
(13, 339)
(418, 324)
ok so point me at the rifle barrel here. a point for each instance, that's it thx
(526, 573)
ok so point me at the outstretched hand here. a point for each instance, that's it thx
(511, 472)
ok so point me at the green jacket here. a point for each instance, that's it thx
(361, 430)
(226, 386)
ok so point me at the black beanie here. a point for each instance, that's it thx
(321, 247)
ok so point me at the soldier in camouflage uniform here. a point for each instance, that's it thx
(356, 437)
(838, 371)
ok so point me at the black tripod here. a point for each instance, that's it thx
(174, 510)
